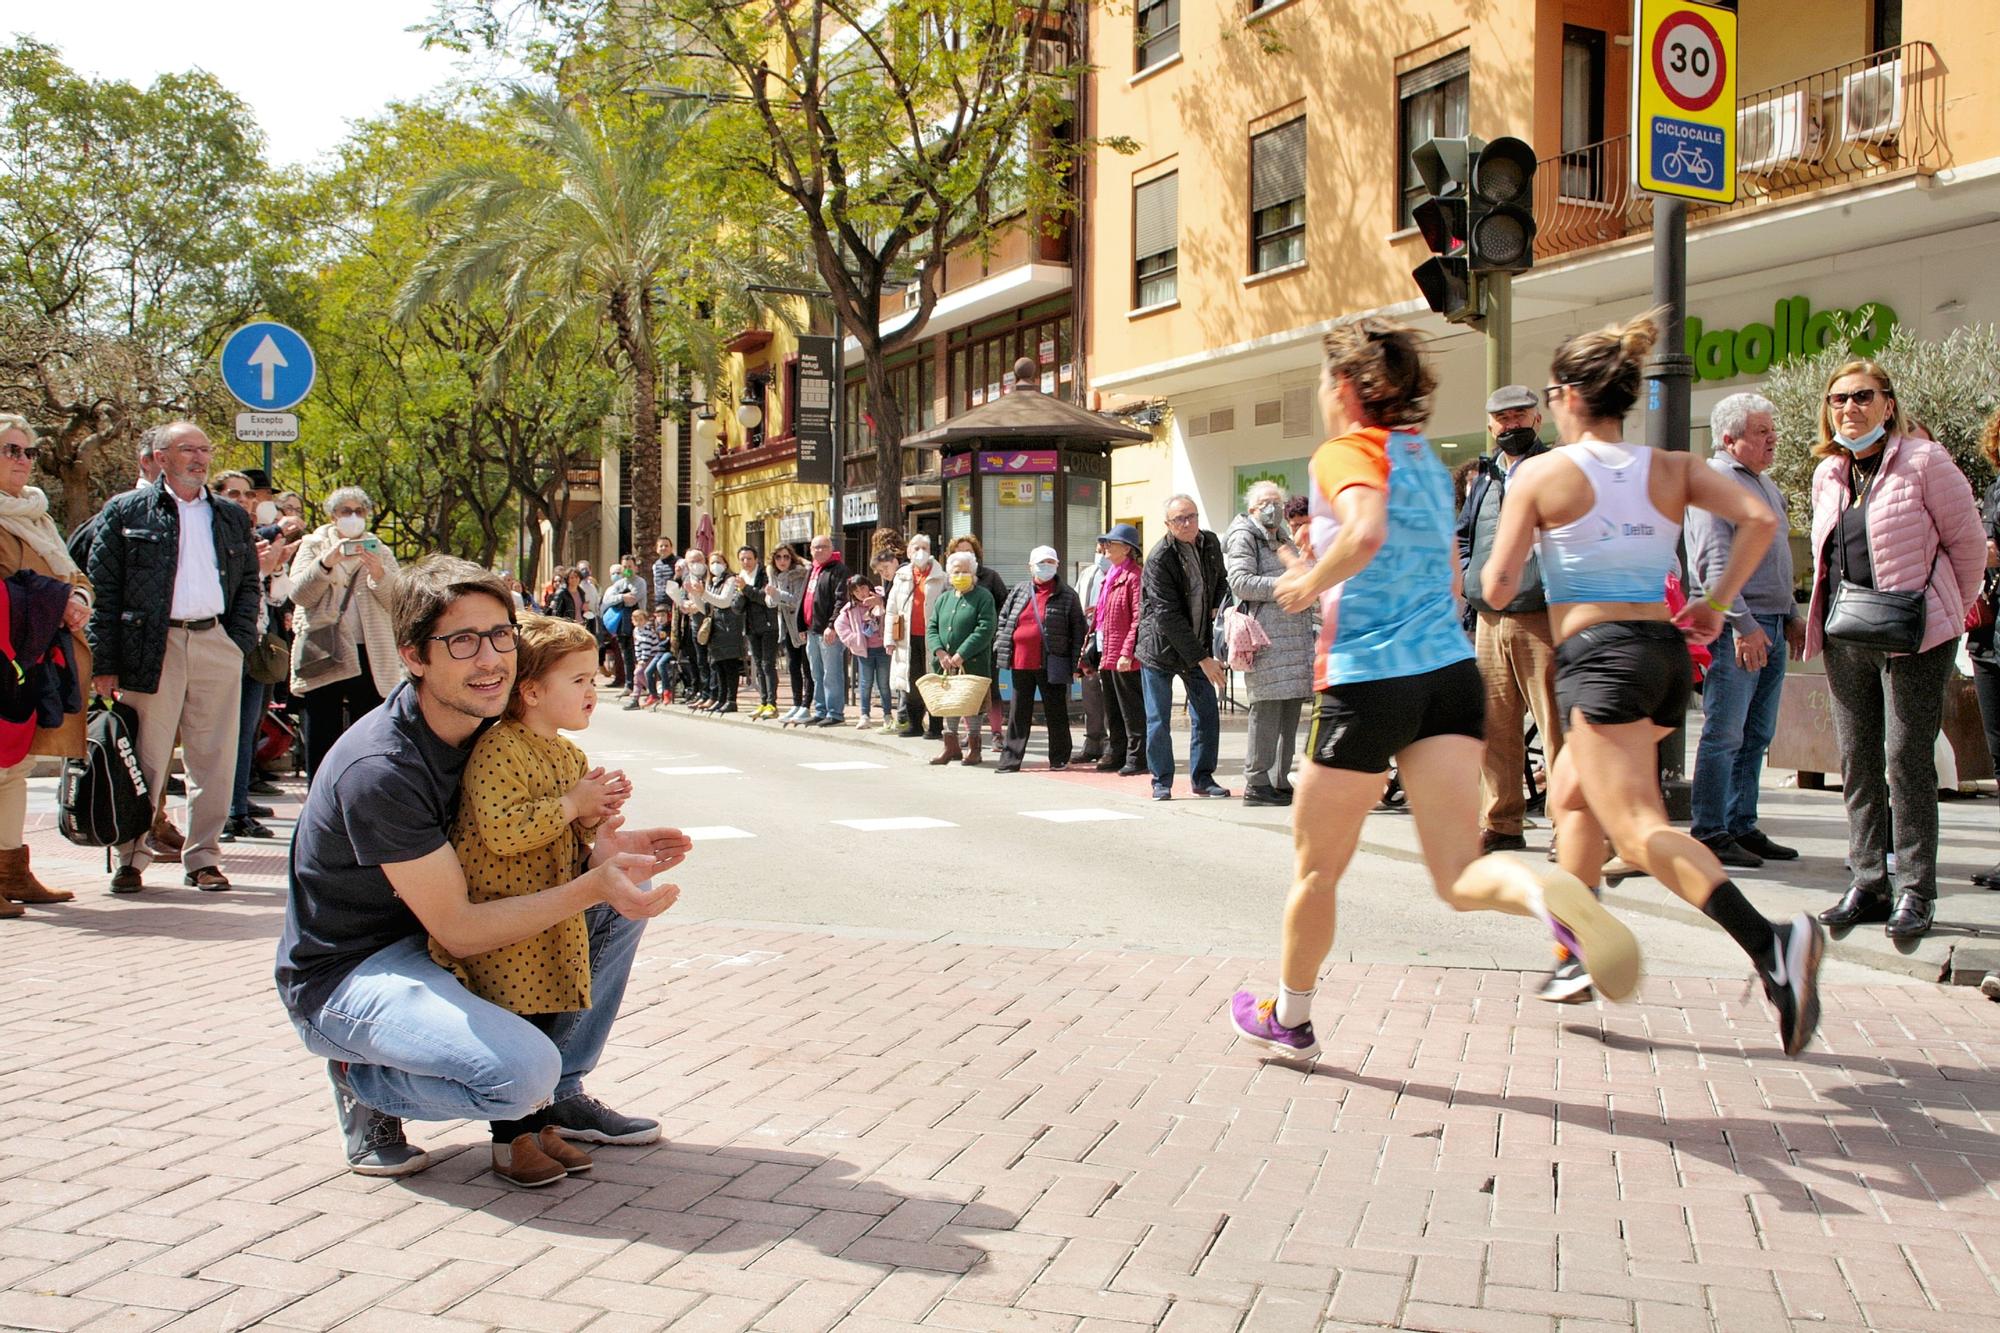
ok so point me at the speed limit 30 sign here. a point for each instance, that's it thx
(1685, 112)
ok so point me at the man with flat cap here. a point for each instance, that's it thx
(1516, 650)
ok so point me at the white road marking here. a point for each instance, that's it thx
(697, 770)
(1078, 816)
(717, 833)
(896, 825)
(842, 766)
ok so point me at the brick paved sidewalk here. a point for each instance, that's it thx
(891, 1135)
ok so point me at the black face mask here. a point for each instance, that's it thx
(1517, 440)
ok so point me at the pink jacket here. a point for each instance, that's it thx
(859, 628)
(1117, 615)
(1920, 504)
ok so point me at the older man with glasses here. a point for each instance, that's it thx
(176, 614)
(1181, 591)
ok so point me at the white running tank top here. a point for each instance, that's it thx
(1623, 548)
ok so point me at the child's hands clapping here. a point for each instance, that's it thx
(597, 795)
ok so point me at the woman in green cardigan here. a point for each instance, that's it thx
(960, 636)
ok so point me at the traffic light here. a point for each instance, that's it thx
(1444, 217)
(1479, 217)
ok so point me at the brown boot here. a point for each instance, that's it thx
(18, 883)
(562, 1152)
(951, 750)
(524, 1163)
(10, 909)
(972, 752)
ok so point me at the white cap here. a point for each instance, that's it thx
(1042, 553)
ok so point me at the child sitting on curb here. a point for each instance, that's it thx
(530, 806)
(652, 664)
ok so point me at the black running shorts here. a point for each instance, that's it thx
(1625, 671)
(1362, 725)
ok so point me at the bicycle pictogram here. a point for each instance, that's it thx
(1687, 160)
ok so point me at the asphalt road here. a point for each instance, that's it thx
(789, 831)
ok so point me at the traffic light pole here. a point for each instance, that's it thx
(1669, 382)
(1496, 299)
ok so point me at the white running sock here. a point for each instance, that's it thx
(1295, 1006)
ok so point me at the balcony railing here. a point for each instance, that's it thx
(1876, 116)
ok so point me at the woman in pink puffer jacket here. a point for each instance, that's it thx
(1895, 512)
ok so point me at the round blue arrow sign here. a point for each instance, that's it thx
(267, 366)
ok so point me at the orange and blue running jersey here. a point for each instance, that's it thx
(1397, 617)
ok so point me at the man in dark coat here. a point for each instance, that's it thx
(1181, 592)
(825, 594)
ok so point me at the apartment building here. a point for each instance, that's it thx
(1271, 195)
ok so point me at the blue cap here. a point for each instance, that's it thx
(1122, 532)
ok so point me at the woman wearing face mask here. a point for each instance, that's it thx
(1892, 513)
(786, 589)
(342, 574)
(698, 678)
(1280, 676)
(904, 627)
(722, 598)
(1041, 632)
(760, 631)
(960, 635)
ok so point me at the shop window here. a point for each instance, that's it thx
(1278, 197)
(1159, 32)
(1156, 209)
(981, 359)
(1435, 104)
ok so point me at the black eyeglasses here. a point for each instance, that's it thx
(464, 645)
(29, 452)
(1549, 394)
(1860, 398)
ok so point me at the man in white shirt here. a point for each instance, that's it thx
(176, 613)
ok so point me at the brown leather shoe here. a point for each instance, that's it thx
(561, 1151)
(11, 909)
(165, 842)
(18, 883)
(209, 879)
(524, 1163)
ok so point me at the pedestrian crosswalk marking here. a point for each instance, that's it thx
(1088, 816)
(898, 824)
(717, 833)
(696, 770)
(842, 766)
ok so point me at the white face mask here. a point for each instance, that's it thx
(698, 571)
(267, 513)
(1044, 572)
(350, 525)
(922, 559)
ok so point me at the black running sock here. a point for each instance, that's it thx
(1728, 908)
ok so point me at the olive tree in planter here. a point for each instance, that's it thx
(1950, 384)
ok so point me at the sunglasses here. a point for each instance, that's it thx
(28, 452)
(1550, 394)
(1860, 398)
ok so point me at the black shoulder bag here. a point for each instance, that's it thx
(1876, 618)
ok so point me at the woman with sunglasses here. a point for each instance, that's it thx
(1605, 517)
(1892, 516)
(341, 577)
(29, 541)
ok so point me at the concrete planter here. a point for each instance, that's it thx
(1806, 741)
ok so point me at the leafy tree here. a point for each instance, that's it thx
(893, 135)
(590, 231)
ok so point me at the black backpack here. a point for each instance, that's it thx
(104, 797)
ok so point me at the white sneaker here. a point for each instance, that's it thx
(865, 724)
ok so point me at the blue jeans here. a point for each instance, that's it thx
(246, 745)
(874, 670)
(421, 1046)
(1158, 687)
(1739, 716)
(829, 673)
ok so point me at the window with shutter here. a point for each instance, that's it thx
(1278, 197)
(1435, 104)
(1156, 217)
(1158, 32)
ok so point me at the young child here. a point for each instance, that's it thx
(647, 648)
(859, 629)
(529, 807)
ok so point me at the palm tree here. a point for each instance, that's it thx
(589, 227)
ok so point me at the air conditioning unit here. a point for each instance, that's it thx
(1871, 103)
(1050, 55)
(1775, 134)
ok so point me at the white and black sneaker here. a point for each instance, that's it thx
(374, 1141)
(1569, 983)
(1791, 979)
(584, 1117)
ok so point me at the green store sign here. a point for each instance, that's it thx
(1795, 330)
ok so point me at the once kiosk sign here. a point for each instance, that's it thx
(1685, 125)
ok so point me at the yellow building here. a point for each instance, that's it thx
(1270, 198)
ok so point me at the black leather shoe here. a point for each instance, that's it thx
(1987, 879)
(1110, 765)
(1088, 757)
(1489, 841)
(1732, 853)
(1265, 796)
(260, 811)
(1857, 907)
(1755, 843)
(1911, 918)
